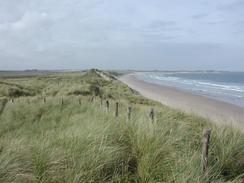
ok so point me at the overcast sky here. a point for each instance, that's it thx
(122, 34)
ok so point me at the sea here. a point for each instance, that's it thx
(221, 85)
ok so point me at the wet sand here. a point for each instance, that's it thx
(217, 111)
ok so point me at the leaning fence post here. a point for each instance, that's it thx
(101, 102)
(116, 109)
(129, 113)
(205, 148)
(92, 98)
(107, 105)
(151, 114)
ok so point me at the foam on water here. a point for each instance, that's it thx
(226, 86)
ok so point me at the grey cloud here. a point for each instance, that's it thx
(160, 30)
(11, 11)
(91, 33)
(27, 34)
(200, 15)
(162, 26)
(217, 22)
(231, 6)
(239, 23)
(239, 28)
(26, 22)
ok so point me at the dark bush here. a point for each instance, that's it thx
(80, 92)
(110, 96)
(95, 90)
(16, 92)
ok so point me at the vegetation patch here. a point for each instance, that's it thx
(68, 138)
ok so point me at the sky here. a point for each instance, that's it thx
(122, 34)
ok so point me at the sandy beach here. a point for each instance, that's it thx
(217, 111)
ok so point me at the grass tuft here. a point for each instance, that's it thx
(50, 142)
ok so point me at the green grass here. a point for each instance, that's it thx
(51, 143)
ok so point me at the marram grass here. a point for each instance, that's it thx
(48, 142)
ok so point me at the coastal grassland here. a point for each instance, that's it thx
(51, 142)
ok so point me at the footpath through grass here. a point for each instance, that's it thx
(51, 132)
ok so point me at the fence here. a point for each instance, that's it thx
(151, 115)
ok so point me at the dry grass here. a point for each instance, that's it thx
(50, 142)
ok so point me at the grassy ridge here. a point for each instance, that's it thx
(51, 142)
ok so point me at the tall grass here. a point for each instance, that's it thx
(50, 142)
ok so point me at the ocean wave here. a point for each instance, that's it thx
(199, 83)
(232, 92)
(223, 87)
(164, 78)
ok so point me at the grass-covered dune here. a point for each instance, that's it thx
(53, 132)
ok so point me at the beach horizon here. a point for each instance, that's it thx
(220, 112)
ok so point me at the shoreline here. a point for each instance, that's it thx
(218, 111)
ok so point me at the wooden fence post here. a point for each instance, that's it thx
(79, 101)
(117, 109)
(44, 99)
(12, 100)
(129, 113)
(92, 98)
(62, 102)
(205, 148)
(101, 102)
(151, 115)
(107, 105)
